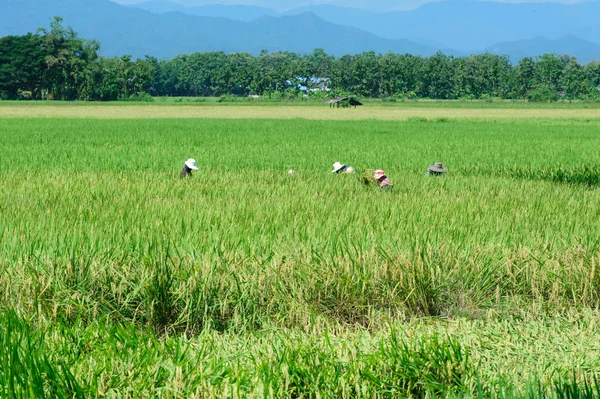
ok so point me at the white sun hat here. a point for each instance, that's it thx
(337, 166)
(437, 167)
(191, 163)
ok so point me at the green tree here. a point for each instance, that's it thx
(241, 68)
(69, 62)
(591, 72)
(367, 76)
(549, 70)
(573, 80)
(393, 75)
(314, 71)
(437, 77)
(21, 66)
(525, 77)
(274, 72)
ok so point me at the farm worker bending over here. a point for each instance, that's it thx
(340, 168)
(436, 169)
(382, 179)
(189, 165)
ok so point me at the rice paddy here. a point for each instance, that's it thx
(378, 111)
(118, 279)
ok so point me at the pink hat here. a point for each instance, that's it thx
(378, 174)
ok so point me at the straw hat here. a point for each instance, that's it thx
(337, 167)
(191, 163)
(378, 174)
(437, 168)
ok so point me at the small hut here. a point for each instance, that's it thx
(343, 102)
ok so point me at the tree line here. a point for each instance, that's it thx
(57, 64)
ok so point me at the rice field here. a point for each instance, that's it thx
(118, 279)
(309, 110)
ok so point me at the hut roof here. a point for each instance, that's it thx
(351, 100)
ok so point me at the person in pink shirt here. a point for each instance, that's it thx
(382, 179)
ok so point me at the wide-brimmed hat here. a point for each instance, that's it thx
(378, 174)
(191, 163)
(437, 167)
(337, 167)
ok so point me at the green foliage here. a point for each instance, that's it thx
(70, 63)
(228, 99)
(123, 79)
(428, 366)
(141, 97)
(573, 80)
(57, 64)
(389, 76)
(21, 66)
(542, 94)
(27, 369)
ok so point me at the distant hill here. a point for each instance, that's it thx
(235, 12)
(283, 5)
(164, 33)
(464, 25)
(583, 50)
(471, 26)
(126, 30)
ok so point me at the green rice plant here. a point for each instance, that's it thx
(26, 368)
(245, 281)
(366, 177)
(160, 294)
(588, 389)
(428, 366)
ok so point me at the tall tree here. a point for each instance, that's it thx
(573, 80)
(21, 66)
(549, 70)
(525, 77)
(67, 59)
(437, 77)
(240, 66)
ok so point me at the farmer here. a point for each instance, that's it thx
(189, 165)
(341, 168)
(437, 169)
(382, 179)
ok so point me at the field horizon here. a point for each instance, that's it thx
(374, 110)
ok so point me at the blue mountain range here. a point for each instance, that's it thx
(164, 29)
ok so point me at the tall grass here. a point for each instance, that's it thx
(119, 279)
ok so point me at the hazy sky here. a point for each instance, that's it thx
(282, 5)
(289, 4)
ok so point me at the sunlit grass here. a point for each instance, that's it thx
(311, 111)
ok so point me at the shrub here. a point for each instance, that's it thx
(227, 98)
(141, 97)
(542, 94)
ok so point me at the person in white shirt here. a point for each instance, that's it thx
(341, 168)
